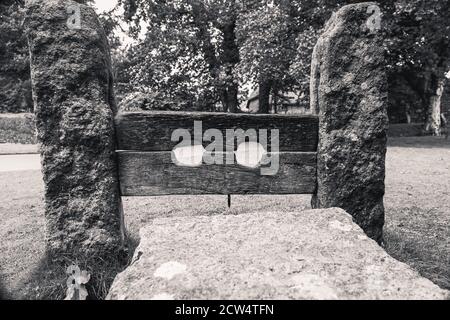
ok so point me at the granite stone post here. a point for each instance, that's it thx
(348, 92)
(74, 107)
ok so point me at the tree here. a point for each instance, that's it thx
(204, 53)
(15, 83)
(418, 49)
(277, 39)
(211, 49)
(267, 48)
(15, 93)
(189, 51)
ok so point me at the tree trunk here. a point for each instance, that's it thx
(209, 52)
(227, 90)
(223, 95)
(314, 81)
(434, 110)
(275, 97)
(233, 102)
(229, 58)
(264, 96)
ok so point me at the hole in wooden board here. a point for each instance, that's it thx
(188, 156)
(250, 154)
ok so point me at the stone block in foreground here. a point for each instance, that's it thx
(315, 254)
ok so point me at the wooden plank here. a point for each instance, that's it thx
(154, 173)
(152, 131)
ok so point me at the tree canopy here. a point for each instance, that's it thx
(209, 54)
(206, 55)
(418, 51)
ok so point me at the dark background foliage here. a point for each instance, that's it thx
(209, 55)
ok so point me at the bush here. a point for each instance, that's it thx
(15, 93)
(17, 128)
(137, 101)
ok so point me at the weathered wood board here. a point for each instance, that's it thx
(154, 173)
(152, 131)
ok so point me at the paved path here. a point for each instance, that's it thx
(22, 162)
(16, 148)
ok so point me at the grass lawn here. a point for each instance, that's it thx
(417, 202)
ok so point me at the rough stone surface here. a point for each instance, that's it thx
(315, 254)
(74, 107)
(349, 93)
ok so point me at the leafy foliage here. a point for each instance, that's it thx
(188, 52)
(210, 53)
(200, 52)
(277, 42)
(418, 51)
(15, 93)
(15, 84)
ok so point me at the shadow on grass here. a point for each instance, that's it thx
(3, 295)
